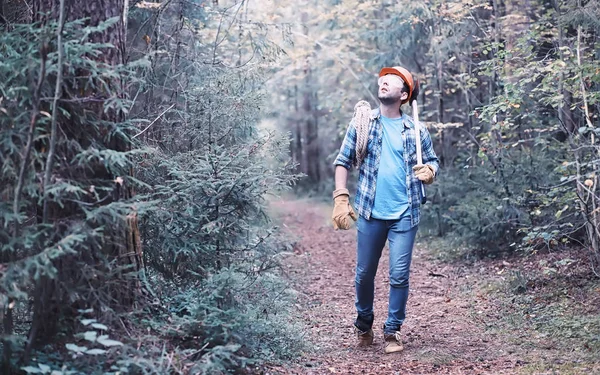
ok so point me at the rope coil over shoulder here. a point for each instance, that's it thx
(361, 120)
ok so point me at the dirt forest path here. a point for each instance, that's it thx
(442, 334)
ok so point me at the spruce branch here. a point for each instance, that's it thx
(27, 155)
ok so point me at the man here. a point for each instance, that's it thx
(388, 201)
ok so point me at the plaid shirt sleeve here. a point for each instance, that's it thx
(347, 152)
(429, 156)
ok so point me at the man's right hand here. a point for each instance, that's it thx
(342, 210)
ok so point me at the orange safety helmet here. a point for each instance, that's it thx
(405, 75)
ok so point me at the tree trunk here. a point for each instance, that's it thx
(515, 21)
(311, 141)
(297, 142)
(2, 19)
(565, 114)
(496, 33)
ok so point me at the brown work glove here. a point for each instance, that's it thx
(424, 172)
(342, 211)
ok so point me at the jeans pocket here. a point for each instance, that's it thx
(405, 222)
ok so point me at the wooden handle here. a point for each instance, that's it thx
(417, 132)
(418, 144)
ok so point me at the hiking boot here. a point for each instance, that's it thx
(363, 330)
(365, 338)
(393, 342)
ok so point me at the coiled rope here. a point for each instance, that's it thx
(361, 120)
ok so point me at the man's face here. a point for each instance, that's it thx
(390, 89)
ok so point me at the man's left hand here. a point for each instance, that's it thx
(424, 172)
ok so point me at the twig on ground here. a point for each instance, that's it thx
(434, 274)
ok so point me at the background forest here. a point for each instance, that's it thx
(140, 142)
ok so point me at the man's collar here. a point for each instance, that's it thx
(407, 121)
(376, 114)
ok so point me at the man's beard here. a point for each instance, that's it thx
(386, 100)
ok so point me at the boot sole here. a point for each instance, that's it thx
(396, 349)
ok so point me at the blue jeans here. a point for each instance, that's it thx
(372, 235)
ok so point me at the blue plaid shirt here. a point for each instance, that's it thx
(367, 178)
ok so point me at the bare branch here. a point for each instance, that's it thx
(152, 123)
(57, 94)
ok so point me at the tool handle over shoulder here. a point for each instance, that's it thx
(417, 132)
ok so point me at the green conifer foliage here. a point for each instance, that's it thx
(210, 249)
(61, 238)
(169, 143)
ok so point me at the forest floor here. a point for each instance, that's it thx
(522, 315)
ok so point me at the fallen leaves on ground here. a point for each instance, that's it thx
(449, 321)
